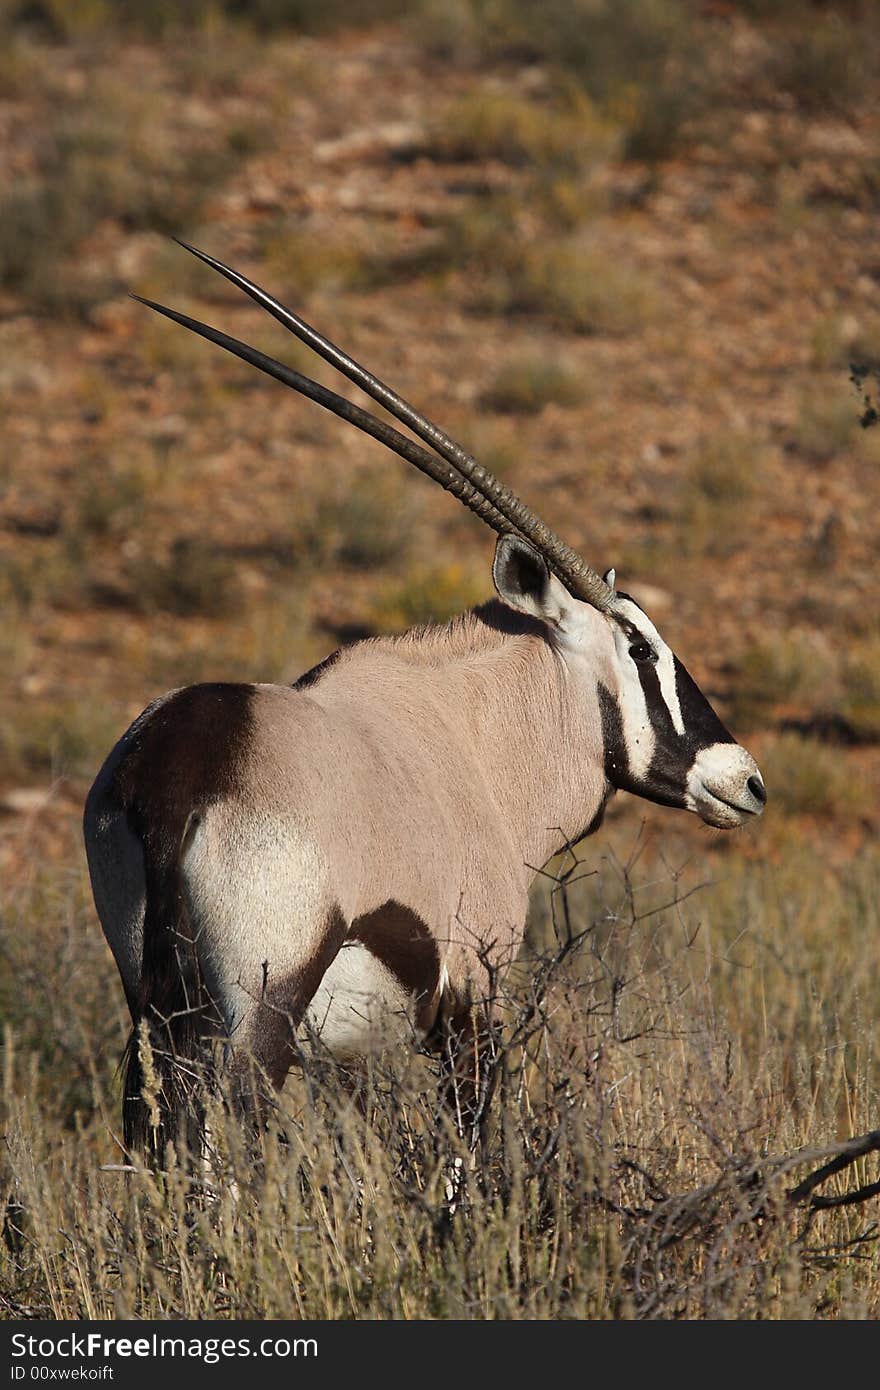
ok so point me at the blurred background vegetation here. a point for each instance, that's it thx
(624, 249)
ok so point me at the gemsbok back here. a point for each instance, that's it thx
(357, 848)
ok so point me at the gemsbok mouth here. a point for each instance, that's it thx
(725, 787)
(717, 811)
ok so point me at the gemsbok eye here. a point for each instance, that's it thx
(640, 651)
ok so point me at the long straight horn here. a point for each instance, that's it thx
(578, 577)
(436, 468)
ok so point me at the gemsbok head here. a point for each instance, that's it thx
(357, 848)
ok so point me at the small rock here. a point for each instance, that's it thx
(400, 138)
(25, 801)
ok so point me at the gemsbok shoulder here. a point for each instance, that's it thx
(357, 848)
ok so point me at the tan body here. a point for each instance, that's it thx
(374, 850)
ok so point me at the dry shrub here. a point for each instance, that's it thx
(823, 61)
(653, 1049)
(827, 421)
(569, 281)
(55, 737)
(360, 522)
(795, 670)
(310, 257)
(193, 577)
(860, 699)
(105, 155)
(640, 61)
(810, 778)
(71, 20)
(428, 593)
(718, 494)
(840, 339)
(573, 285)
(524, 132)
(526, 384)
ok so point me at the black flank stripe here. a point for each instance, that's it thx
(190, 752)
(397, 936)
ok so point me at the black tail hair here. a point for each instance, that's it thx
(167, 1056)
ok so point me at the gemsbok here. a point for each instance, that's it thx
(357, 848)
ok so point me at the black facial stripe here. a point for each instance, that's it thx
(630, 630)
(658, 710)
(666, 779)
(701, 723)
(674, 753)
(700, 720)
(616, 759)
(634, 635)
(655, 786)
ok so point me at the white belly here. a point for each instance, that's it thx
(360, 1006)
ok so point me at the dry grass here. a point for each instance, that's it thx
(362, 522)
(671, 1047)
(827, 422)
(427, 593)
(860, 698)
(823, 63)
(525, 385)
(711, 505)
(69, 20)
(798, 671)
(191, 578)
(568, 280)
(841, 339)
(575, 285)
(638, 60)
(105, 157)
(811, 779)
(56, 737)
(306, 257)
(525, 133)
(801, 675)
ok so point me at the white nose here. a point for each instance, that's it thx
(725, 787)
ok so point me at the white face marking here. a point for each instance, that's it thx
(665, 663)
(576, 638)
(665, 668)
(638, 735)
(637, 730)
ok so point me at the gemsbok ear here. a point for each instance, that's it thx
(524, 581)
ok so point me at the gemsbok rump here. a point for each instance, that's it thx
(358, 847)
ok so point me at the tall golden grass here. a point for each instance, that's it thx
(661, 1040)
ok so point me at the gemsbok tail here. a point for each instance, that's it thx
(167, 1057)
